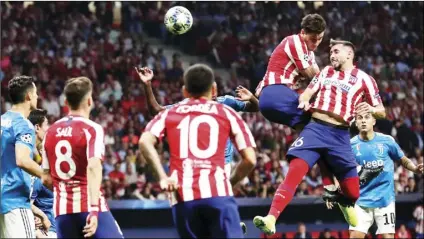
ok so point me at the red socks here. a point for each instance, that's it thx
(350, 188)
(326, 175)
(285, 192)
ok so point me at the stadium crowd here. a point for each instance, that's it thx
(58, 40)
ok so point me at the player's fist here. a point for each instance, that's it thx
(46, 223)
(364, 108)
(168, 184)
(419, 169)
(243, 94)
(304, 105)
(145, 74)
(91, 224)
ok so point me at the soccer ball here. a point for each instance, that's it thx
(178, 20)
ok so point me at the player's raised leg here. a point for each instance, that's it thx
(303, 154)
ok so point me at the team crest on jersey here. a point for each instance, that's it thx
(352, 80)
(27, 138)
(380, 148)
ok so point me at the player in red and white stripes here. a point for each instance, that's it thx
(341, 91)
(73, 151)
(197, 131)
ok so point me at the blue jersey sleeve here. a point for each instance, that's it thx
(36, 187)
(24, 133)
(395, 152)
(229, 100)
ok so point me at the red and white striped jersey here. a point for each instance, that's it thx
(287, 59)
(197, 132)
(339, 92)
(68, 145)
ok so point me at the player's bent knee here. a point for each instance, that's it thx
(356, 234)
(388, 235)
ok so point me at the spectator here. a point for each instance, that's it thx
(418, 215)
(403, 233)
(301, 232)
(326, 234)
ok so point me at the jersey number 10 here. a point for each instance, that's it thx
(189, 136)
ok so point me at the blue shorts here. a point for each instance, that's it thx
(278, 104)
(71, 226)
(208, 218)
(320, 140)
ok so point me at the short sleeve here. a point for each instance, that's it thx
(24, 133)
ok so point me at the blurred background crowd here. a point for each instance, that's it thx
(58, 40)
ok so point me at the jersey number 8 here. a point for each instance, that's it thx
(64, 157)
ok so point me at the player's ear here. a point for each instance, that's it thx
(214, 90)
(185, 92)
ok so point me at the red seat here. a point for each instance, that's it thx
(277, 235)
(290, 235)
(315, 235)
(344, 234)
(335, 234)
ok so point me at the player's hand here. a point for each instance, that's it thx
(168, 184)
(243, 94)
(46, 224)
(419, 169)
(145, 74)
(364, 108)
(91, 224)
(38, 222)
(304, 105)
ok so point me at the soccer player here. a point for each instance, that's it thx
(377, 197)
(197, 132)
(249, 104)
(339, 90)
(73, 150)
(17, 146)
(41, 196)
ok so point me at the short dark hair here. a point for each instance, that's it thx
(76, 89)
(313, 23)
(198, 79)
(37, 116)
(18, 87)
(344, 43)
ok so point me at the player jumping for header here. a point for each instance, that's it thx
(339, 90)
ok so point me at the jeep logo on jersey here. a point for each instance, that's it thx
(373, 164)
(27, 138)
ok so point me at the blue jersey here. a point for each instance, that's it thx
(15, 182)
(237, 105)
(43, 199)
(382, 150)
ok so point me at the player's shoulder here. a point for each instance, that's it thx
(385, 138)
(354, 139)
(358, 73)
(20, 122)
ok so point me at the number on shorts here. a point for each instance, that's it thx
(189, 136)
(64, 157)
(297, 143)
(392, 218)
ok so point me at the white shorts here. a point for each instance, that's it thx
(384, 217)
(44, 234)
(18, 223)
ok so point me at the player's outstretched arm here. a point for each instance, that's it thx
(379, 112)
(245, 166)
(24, 161)
(408, 164)
(146, 76)
(243, 94)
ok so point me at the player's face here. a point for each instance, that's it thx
(313, 40)
(33, 97)
(41, 130)
(338, 56)
(365, 122)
